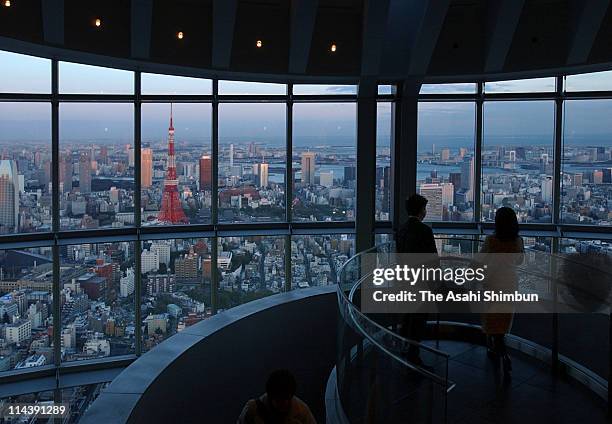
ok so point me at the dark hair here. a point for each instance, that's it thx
(506, 224)
(415, 204)
(281, 385)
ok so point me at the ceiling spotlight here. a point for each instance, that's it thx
(258, 43)
(98, 22)
(7, 3)
(333, 48)
(180, 35)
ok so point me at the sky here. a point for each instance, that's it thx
(334, 122)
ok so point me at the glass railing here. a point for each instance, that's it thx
(376, 381)
(570, 330)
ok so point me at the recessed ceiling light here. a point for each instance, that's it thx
(7, 3)
(333, 48)
(259, 43)
(98, 22)
(180, 35)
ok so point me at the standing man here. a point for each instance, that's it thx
(415, 237)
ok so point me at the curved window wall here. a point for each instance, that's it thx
(134, 205)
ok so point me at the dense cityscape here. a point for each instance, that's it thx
(97, 281)
(519, 177)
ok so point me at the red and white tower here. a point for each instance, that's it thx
(171, 211)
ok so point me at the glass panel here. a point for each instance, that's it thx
(324, 161)
(96, 180)
(252, 149)
(521, 86)
(97, 287)
(385, 89)
(79, 399)
(324, 89)
(175, 287)
(24, 74)
(460, 88)
(249, 268)
(542, 244)
(383, 161)
(586, 168)
(189, 200)
(596, 81)
(445, 160)
(26, 308)
(25, 168)
(251, 88)
(518, 159)
(383, 238)
(317, 259)
(84, 79)
(172, 84)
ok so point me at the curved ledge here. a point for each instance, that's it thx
(120, 402)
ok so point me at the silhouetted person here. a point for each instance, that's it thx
(278, 405)
(504, 240)
(415, 237)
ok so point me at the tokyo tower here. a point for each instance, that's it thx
(171, 211)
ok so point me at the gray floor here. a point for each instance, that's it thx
(533, 395)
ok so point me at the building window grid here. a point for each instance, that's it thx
(58, 237)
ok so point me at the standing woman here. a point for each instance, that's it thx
(505, 240)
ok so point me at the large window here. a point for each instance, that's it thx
(445, 159)
(518, 159)
(316, 259)
(26, 308)
(252, 162)
(182, 193)
(97, 282)
(324, 161)
(587, 163)
(176, 286)
(384, 133)
(25, 167)
(96, 180)
(249, 268)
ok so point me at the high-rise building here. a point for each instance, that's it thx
(126, 284)
(231, 154)
(597, 177)
(445, 154)
(205, 173)
(149, 261)
(146, 167)
(9, 197)
(467, 176)
(162, 249)
(263, 175)
(326, 178)
(186, 267)
(439, 196)
(350, 174)
(65, 172)
(308, 168)
(85, 173)
(578, 179)
(547, 190)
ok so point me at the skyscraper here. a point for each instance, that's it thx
(85, 173)
(65, 172)
(547, 190)
(467, 176)
(231, 155)
(263, 174)
(205, 173)
(146, 170)
(9, 197)
(439, 196)
(308, 168)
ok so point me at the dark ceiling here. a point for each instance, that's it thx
(388, 39)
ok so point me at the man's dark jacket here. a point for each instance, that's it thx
(415, 237)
